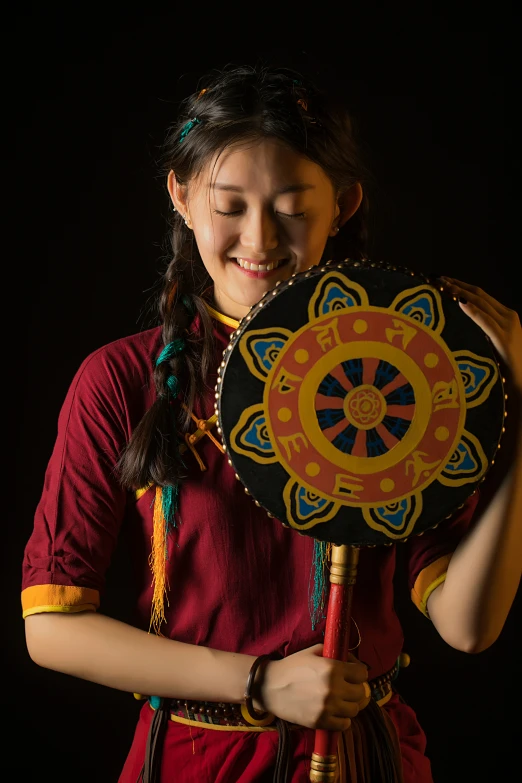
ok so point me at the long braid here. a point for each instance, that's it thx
(152, 455)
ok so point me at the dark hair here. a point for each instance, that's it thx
(235, 104)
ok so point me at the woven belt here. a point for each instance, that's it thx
(227, 716)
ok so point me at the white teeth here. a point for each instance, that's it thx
(257, 267)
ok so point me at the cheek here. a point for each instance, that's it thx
(310, 247)
(309, 238)
(214, 237)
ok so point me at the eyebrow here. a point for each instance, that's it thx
(286, 189)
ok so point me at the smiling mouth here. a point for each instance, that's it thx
(252, 267)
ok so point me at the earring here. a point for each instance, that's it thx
(335, 229)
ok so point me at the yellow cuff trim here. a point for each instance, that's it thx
(59, 598)
(225, 319)
(428, 579)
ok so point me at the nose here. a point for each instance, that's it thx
(260, 232)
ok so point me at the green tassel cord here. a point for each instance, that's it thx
(318, 574)
(169, 506)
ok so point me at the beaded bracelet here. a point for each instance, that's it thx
(254, 714)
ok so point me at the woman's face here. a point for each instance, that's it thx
(260, 213)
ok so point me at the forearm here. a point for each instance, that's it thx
(100, 649)
(470, 608)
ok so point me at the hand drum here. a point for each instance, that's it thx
(358, 404)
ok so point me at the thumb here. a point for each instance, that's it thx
(362, 667)
(317, 649)
(353, 659)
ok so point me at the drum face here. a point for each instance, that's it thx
(359, 405)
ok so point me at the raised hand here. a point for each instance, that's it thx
(501, 324)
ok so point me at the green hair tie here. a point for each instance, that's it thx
(173, 385)
(171, 349)
(188, 127)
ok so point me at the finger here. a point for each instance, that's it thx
(478, 303)
(474, 293)
(345, 709)
(355, 673)
(335, 724)
(356, 693)
(353, 659)
(489, 325)
(367, 693)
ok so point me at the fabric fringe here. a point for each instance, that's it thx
(371, 749)
(318, 576)
(151, 770)
(163, 519)
(283, 752)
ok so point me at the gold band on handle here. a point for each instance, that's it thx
(323, 769)
(343, 567)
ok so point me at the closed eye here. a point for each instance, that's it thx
(296, 215)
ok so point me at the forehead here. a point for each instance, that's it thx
(262, 165)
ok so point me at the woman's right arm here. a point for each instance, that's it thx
(303, 688)
(98, 648)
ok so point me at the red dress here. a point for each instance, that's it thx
(239, 581)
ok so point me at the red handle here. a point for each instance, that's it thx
(336, 642)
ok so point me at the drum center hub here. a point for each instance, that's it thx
(364, 407)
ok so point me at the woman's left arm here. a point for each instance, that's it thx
(470, 607)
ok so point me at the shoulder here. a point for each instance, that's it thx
(118, 371)
(130, 356)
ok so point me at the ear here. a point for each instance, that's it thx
(178, 194)
(348, 203)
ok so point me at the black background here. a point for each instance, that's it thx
(89, 93)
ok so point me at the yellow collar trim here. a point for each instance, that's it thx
(139, 492)
(223, 318)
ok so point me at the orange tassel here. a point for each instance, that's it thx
(158, 564)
